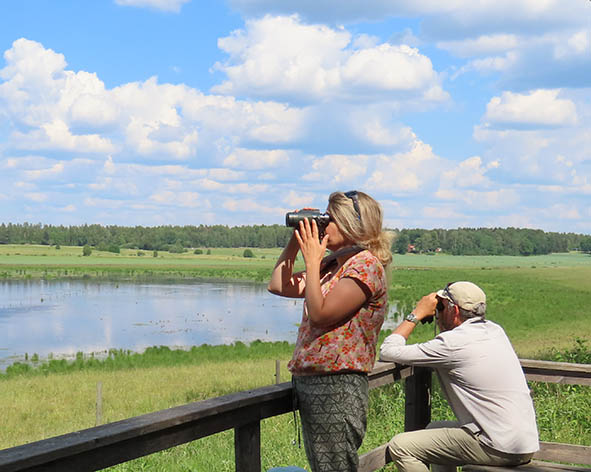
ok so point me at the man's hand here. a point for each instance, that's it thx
(426, 306)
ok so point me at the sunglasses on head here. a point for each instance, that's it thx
(352, 194)
(447, 294)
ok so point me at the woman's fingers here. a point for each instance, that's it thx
(306, 228)
(324, 243)
(314, 229)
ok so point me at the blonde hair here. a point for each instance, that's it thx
(365, 230)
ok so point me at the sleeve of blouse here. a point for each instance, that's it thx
(366, 269)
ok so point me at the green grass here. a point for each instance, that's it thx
(445, 260)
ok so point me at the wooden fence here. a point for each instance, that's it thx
(114, 443)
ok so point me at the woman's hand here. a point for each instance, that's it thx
(283, 281)
(312, 249)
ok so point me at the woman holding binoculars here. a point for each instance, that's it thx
(345, 301)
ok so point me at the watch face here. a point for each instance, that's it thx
(412, 318)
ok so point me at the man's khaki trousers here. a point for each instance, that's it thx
(445, 445)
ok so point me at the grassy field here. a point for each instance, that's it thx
(28, 255)
(542, 301)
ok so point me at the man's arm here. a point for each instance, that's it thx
(433, 352)
(425, 308)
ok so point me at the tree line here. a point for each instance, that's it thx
(489, 241)
(461, 241)
(161, 238)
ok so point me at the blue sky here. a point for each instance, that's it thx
(149, 112)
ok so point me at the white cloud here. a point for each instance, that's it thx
(565, 211)
(539, 59)
(51, 172)
(577, 44)
(225, 174)
(482, 45)
(209, 185)
(36, 196)
(442, 212)
(443, 18)
(181, 199)
(247, 189)
(283, 57)
(539, 108)
(256, 159)
(337, 169)
(164, 5)
(296, 200)
(249, 206)
(550, 162)
(25, 186)
(468, 173)
(491, 200)
(407, 172)
(492, 64)
(47, 105)
(379, 134)
(104, 203)
(109, 166)
(57, 136)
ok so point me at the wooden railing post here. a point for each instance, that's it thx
(247, 447)
(417, 403)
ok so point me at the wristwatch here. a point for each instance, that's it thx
(412, 318)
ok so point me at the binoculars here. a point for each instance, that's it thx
(293, 218)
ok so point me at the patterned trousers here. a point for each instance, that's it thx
(333, 410)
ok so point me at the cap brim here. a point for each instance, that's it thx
(441, 294)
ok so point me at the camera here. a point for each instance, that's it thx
(293, 218)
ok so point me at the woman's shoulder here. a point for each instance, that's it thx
(366, 261)
(365, 256)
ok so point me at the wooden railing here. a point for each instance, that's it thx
(114, 443)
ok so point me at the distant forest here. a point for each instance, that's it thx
(461, 241)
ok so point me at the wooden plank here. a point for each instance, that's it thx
(417, 399)
(559, 452)
(534, 466)
(568, 368)
(379, 457)
(556, 372)
(558, 379)
(385, 373)
(374, 459)
(247, 447)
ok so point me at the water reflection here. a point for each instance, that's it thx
(61, 318)
(64, 317)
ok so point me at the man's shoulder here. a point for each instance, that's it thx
(471, 331)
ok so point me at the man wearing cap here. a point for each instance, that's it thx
(481, 378)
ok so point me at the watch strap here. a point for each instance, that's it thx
(412, 318)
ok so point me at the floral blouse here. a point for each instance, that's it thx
(350, 346)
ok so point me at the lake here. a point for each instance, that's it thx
(60, 318)
(64, 317)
